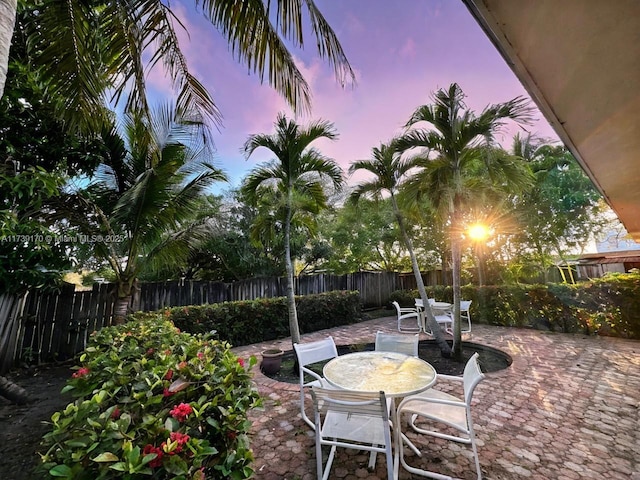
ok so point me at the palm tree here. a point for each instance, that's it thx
(151, 182)
(294, 181)
(86, 49)
(457, 168)
(388, 169)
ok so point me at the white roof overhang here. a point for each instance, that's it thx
(580, 62)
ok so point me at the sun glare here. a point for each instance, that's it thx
(478, 232)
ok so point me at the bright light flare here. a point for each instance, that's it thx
(478, 232)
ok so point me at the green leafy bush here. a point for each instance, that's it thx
(606, 306)
(254, 321)
(153, 403)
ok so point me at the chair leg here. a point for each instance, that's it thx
(327, 467)
(303, 414)
(372, 460)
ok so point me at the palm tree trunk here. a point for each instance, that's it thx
(7, 24)
(457, 261)
(431, 320)
(120, 309)
(291, 298)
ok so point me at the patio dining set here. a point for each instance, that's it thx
(364, 400)
(413, 319)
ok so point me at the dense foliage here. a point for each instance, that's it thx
(254, 321)
(152, 402)
(605, 306)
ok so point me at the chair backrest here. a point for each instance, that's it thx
(313, 352)
(465, 305)
(364, 404)
(407, 344)
(397, 305)
(471, 376)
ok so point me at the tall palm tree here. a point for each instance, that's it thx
(143, 202)
(388, 169)
(88, 49)
(294, 178)
(457, 167)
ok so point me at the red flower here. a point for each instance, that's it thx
(232, 435)
(168, 375)
(241, 362)
(200, 355)
(167, 393)
(181, 412)
(181, 438)
(150, 352)
(182, 365)
(156, 462)
(81, 372)
(178, 440)
(115, 414)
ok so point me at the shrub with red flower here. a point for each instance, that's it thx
(167, 393)
(181, 412)
(81, 372)
(175, 443)
(157, 432)
(156, 462)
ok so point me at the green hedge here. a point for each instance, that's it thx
(606, 306)
(255, 321)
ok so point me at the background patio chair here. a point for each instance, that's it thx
(408, 316)
(438, 407)
(443, 317)
(465, 305)
(356, 420)
(388, 342)
(308, 353)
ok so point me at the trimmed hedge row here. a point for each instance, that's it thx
(255, 321)
(606, 306)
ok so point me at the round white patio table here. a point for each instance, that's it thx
(396, 374)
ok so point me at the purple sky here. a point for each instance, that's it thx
(402, 51)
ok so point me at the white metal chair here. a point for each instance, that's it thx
(410, 316)
(308, 353)
(465, 305)
(443, 317)
(357, 420)
(436, 406)
(388, 342)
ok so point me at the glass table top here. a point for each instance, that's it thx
(394, 373)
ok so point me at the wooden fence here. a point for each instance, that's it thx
(41, 327)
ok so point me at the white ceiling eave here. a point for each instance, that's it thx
(580, 62)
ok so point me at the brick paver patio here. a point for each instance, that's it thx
(566, 409)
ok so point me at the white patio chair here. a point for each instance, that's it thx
(388, 342)
(435, 406)
(308, 353)
(465, 305)
(410, 316)
(347, 419)
(444, 317)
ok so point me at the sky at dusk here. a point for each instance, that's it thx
(401, 51)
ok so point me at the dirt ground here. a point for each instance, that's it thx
(22, 426)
